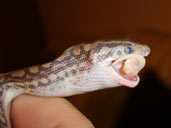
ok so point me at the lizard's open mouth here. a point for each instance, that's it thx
(128, 67)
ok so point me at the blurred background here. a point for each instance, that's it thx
(33, 32)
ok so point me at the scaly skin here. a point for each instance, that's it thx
(81, 68)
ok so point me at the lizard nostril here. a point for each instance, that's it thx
(148, 50)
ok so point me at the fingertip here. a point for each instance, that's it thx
(33, 112)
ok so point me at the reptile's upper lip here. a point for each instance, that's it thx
(128, 67)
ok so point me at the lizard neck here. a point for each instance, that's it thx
(53, 78)
(63, 74)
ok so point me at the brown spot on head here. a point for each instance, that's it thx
(18, 73)
(47, 65)
(76, 50)
(34, 69)
(87, 47)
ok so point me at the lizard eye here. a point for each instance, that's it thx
(128, 50)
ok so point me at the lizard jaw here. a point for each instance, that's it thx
(127, 69)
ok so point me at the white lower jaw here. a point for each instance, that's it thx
(126, 82)
(129, 83)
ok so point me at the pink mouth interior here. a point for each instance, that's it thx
(132, 78)
(118, 68)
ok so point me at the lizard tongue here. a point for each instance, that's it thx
(131, 67)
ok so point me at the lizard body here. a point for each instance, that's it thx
(81, 68)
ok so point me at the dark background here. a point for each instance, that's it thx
(33, 32)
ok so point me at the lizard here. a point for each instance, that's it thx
(81, 68)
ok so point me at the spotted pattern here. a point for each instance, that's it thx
(20, 73)
(68, 68)
(34, 69)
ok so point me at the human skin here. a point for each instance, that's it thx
(38, 112)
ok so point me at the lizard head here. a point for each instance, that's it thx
(119, 61)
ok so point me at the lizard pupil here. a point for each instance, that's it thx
(128, 49)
